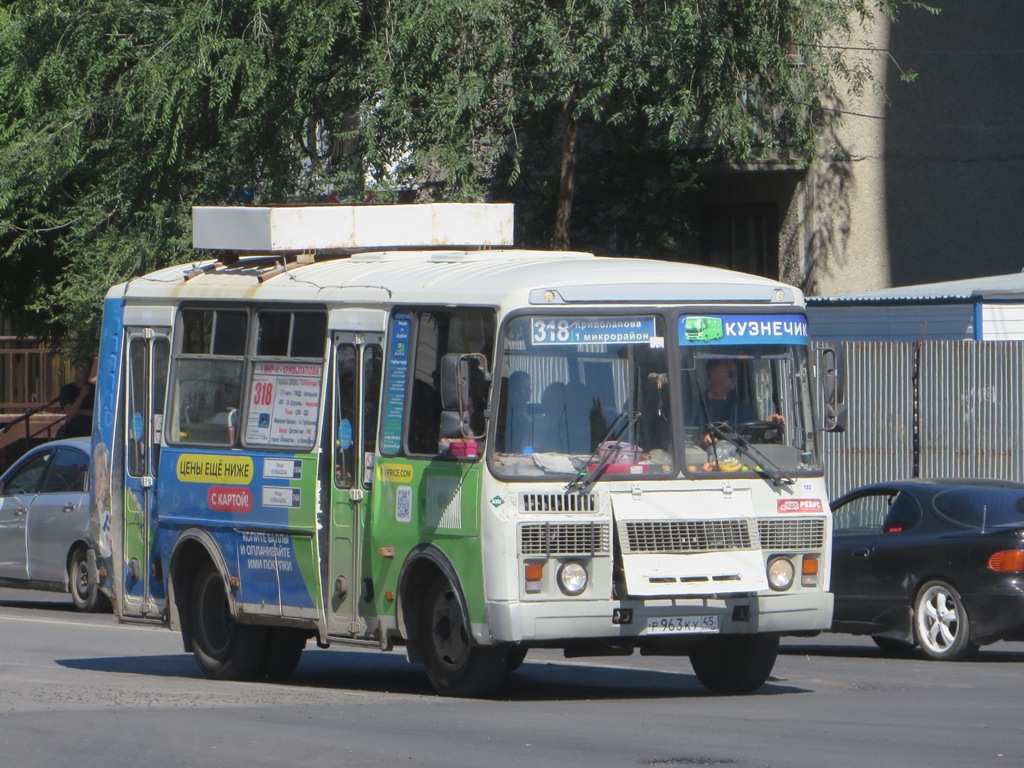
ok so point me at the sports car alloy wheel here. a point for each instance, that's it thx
(941, 624)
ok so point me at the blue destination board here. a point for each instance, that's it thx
(577, 331)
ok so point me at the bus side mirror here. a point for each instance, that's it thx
(832, 368)
(464, 380)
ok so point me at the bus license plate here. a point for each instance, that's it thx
(682, 625)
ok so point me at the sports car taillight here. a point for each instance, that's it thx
(1007, 561)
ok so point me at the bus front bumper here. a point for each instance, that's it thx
(548, 622)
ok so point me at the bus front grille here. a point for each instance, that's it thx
(791, 534)
(557, 502)
(561, 539)
(687, 536)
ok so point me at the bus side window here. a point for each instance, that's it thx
(207, 384)
(437, 333)
(346, 422)
(373, 365)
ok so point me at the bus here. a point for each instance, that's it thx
(384, 425)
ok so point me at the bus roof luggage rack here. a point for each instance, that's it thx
(305, 228)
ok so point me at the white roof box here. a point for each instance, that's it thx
(320, 227)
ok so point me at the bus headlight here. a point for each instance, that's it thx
(572, 578)
(780, 573)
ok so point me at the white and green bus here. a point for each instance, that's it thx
(383, 425)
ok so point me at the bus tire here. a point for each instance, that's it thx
(284, 648)
(224, 649)
(454, 665)
(516, 657)
(735, 664)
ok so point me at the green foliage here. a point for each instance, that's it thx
(120, 115)
(116, 116)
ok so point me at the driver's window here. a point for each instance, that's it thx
(439, 332)
(862, 515)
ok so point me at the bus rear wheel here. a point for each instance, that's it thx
(224, 649)
(735, 664)
(454, 665)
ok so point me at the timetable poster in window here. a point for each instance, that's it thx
(284, 404)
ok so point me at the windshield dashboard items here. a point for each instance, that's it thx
(589, 397)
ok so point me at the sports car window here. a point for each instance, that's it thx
(980, 507)
(903, 515)
(863, 514)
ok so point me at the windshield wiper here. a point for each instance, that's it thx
(585, 481)
(764, 465)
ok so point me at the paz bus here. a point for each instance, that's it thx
(384, 425)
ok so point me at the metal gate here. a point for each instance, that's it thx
(929, 409)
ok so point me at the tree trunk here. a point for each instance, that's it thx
(567, 182)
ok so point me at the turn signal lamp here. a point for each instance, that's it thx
(1007, 561)
(533, 573)
(809, 571)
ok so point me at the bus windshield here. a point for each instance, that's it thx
(582, 392)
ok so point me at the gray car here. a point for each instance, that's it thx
(44, 511)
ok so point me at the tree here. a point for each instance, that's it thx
(120, 115)
(116, 116)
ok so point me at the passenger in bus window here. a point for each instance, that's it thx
(566, 426)
(520, 418)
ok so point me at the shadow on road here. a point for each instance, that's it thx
(56, 604)
(996, 653)
(383, 673)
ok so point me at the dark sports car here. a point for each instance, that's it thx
(934, 563)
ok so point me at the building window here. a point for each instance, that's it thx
(743, 238)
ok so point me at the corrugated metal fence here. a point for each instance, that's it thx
(929, 409)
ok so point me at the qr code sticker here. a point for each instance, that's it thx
(403, 506)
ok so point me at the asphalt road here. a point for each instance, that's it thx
(79, 690)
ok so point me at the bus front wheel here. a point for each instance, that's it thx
(454, 665)
(284, 648)
(224, 649)
(735, 664)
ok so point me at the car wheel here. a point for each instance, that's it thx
(86, 597)
(224, 649)
(454, 664)
(941, 624)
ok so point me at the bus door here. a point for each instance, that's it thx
(357, 365)
(148, 353)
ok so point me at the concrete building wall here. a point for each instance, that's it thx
(928, 185)
(845, 197)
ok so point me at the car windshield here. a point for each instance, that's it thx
(579, 393)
